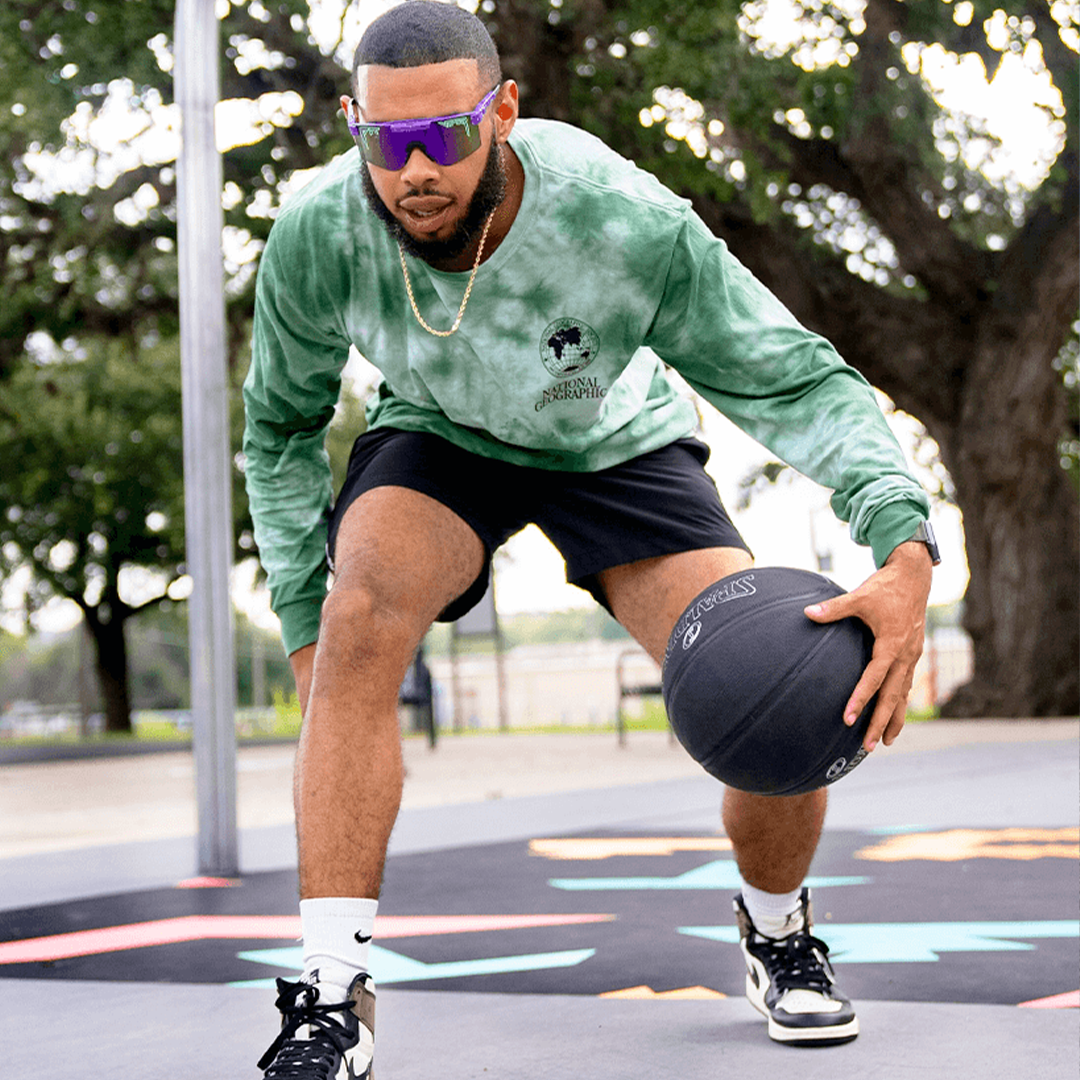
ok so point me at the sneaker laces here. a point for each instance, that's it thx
(312, 1058)
(798, 962)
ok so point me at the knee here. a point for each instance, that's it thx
(359, 628)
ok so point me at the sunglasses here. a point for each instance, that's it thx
(445, 139)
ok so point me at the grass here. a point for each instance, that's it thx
(157, 732)
(922, 716)
(284, 724)
(164, 733)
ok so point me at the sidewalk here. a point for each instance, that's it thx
(68, 805)
(71, 831)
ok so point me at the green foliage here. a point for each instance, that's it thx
(65, 260)
(87, 211)
(50, 669)
(88, 248)
(287, 710)
(41, 670)
(781, 110)
(100, 479)
(96, 507)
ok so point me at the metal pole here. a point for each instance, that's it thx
(207, 479)
(455, 678)
(500, 663)
(86, 679)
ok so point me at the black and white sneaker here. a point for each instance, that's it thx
(790, 981)
(323, 1040)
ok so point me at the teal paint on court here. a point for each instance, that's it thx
(721, 874)
(913, 943)
(390, 968)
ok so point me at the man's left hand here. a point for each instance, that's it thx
(892, 602)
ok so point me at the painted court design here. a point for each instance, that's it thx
(945, 884)
(631, 916)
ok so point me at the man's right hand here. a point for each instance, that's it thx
(303, 666)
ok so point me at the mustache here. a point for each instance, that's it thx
(422, 193)
(488, 195)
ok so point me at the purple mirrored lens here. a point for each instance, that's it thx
(444, 139)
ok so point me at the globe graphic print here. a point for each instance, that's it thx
(568, 346)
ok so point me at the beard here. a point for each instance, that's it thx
(489, 193)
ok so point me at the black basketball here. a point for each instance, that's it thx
(756, 691)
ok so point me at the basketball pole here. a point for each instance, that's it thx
(207, 465)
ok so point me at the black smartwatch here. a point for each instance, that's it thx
(924, 534)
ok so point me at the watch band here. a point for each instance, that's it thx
(924, 534)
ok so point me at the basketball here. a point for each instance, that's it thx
(755, 691)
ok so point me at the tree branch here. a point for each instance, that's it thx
(890, 183)
(1040, 270)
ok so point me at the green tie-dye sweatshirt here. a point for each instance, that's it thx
(604, 277)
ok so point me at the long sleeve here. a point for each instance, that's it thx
(290, 392)
(786, 387)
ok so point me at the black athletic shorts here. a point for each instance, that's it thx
(659, 503)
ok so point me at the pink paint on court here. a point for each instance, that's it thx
(240, 927)
(1070, 1000)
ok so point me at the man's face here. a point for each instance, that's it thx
(434, 210)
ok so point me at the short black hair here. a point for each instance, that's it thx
(420, 32)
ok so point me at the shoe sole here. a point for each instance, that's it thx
(824, 1036)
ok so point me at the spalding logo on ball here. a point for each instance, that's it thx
(756, 691)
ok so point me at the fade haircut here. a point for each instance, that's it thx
(420, 32)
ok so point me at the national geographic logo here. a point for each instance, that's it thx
(572, 390)
(568, 347)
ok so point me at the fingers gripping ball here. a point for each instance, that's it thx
(756, 691)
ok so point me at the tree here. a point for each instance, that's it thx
(89, 363)
(95, 507)
(818, 150)
(832, 171)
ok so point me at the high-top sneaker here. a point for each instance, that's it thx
(790, 981)
(323, 1039)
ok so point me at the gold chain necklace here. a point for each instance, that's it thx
(468, 288)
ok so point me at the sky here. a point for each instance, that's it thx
(782, 525)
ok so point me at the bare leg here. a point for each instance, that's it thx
(774, 838)
(400, 559)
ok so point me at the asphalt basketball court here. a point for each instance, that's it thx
(586, 932)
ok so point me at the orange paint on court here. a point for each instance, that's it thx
(957, 845)
(587, 849)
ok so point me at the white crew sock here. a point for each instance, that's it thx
(337, 937)
(775, 915)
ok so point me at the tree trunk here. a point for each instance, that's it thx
(1020, 606)
(111, 665)
(1021, 530)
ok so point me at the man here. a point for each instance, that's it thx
(519, 284)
